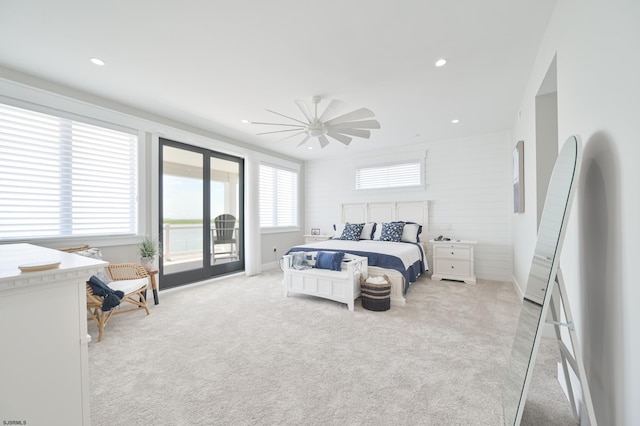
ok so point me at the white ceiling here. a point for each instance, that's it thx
(214, 63)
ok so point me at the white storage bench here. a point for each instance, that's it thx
(342, 286)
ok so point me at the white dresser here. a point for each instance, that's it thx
(453, 260)
(43, 330)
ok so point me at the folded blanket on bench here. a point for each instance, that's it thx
(111, 297)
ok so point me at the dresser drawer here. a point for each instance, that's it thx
(451, 267)
(453, 252)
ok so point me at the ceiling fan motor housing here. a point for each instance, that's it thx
(316, 129)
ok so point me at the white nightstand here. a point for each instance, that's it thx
(453, 260)
(315, 238)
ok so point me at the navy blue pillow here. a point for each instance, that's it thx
(329, 260)
(352, 231)
(392, 231)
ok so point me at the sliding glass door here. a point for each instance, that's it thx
(201, 213)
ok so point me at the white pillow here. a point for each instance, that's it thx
(410, 233)
(339, 227)
(367, 230)
(378, 232)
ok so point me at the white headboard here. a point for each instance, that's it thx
(408, 211)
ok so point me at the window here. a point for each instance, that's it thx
(60, 177)
(389, 175)
(278, 197)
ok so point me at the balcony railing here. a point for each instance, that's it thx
(183, 242)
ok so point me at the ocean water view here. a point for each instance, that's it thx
(182, 240)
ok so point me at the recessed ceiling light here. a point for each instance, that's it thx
(97, 61)
(310, 147)
(245, 121)
(440, 62)
(455, 121)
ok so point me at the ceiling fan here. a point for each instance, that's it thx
(340, 127)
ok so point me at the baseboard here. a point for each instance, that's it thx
(199, 283)
(270, 265)
(516, 287)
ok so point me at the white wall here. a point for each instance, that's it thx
(546, 111)
(468, 185)
(598, 65)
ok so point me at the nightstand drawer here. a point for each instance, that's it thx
(453, 267)
(453, 252)
(315, 238)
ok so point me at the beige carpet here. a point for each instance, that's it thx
(236, 352)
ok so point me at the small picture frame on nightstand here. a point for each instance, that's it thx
(315, 231)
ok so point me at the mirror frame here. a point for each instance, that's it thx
(527, 338)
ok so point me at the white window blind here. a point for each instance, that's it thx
(278, 197)
(61, 177)
(389, 175)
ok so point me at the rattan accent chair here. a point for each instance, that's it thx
(131, 278)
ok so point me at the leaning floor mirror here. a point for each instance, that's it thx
(541, 279)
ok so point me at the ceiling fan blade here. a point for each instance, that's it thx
(304, 140)
(286, 116)
(333, 107)
(364, 124)
(323, 141)
(280, 124)
(358, 114)
(340, 138)
(279, 131)
(290, 136)
(305, 110)
(355, 132)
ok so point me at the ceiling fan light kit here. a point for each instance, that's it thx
(341, 128)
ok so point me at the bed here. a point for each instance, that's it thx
(403, 262)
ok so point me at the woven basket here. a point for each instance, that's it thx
(376, 297)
